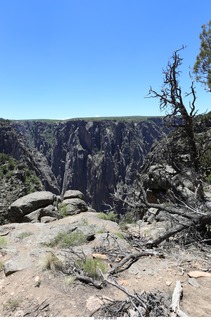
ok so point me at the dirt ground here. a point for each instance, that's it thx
(35, 291)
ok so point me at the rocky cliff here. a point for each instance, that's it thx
(92, 156)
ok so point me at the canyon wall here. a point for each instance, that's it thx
(93, 156)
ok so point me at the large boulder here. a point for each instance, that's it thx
(74, 206)
(37, 215)
(70, 194)
(28, 204)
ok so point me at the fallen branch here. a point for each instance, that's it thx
(89, 280)
(167, 235)
(132, 297)
(131, 258)
(142, 304)
(170, 209)
(43, 306)
(174, 307)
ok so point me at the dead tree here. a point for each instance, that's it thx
(171, 101)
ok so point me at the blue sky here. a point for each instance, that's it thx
(61, 59)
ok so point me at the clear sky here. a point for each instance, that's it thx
(61, 59)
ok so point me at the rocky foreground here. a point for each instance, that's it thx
(41, 276)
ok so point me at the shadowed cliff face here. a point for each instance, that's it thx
(91, 156)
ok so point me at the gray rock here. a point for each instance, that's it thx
(90, 209)
(70, 194)
(49, 211)
(208, 204)
(75, 206)
(28, 204)
(39, 214)
(193, 282)
(47, 219)
(33, 216)
(16, 264)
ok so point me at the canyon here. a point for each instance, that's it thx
(94, 156)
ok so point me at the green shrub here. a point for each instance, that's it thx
(62, 207)
(11, 164)
(91, 267)
(68, 239)
(3, 158)
(205, 159)
(101, 231)
(8, 175)
(32, 182)
(128, 218)
(108, 216)
(208, 178)
(119, 235)
(24, 234)
(4, 169)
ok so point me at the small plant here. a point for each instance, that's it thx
(62, 207)
(69, 280)
(68, 239)
(11, 164)
(119, 235)
(12, 304)
(51, 262)
(108, 216)
(101, 231)
(32, 182)
(3, 242)
(91, 267)
(128, 218)
(208, 178)
(24, 234)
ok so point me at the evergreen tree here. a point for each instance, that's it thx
(202, 67)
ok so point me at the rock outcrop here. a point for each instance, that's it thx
(44, 206)
(32, 206)
(73, 203)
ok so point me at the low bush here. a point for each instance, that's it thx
(108, 216)
(91, 267)
(62, 207)
(68, 239)
(24, 234)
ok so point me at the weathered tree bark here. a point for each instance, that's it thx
(174, 307)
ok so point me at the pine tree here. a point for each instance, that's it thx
(202, 67)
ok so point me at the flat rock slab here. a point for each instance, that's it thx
(18, 263)
(193, 282)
